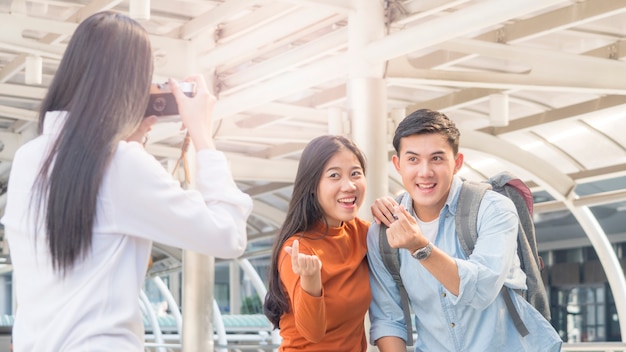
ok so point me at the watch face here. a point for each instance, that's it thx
(423, 253)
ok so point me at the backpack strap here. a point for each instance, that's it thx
(466, 217)
(391, 259)
(517, 320)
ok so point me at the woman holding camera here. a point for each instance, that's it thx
(86, 201)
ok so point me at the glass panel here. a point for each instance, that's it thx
(581, 313)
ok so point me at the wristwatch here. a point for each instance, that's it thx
(423, 253)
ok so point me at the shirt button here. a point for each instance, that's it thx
(452, 325)
(443, 294)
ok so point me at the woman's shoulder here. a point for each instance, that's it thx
(132, 153)
(130, 161)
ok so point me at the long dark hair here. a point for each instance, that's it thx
(103, 82)
(304, 211)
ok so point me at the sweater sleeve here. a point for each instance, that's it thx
(144, 200)
(309, 311)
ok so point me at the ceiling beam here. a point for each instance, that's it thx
(68, 27)
(282, 109)
(523, 29)
(400, 70)
(599, 174)
(267, 189)
(256, 169)
(13, 26)
(281, 150)
(236, 28)
(578, 13)
(12, 68)
(606, 105)
(17, 113)
(210, 20)
(455, 100)
(270, 214)
(22, 91)
(420, 9)
(440, 29)
(318, 73)
(559, 65)
(591, 200)
(557, 184)
(243, 168)
(341, 6)
(262, 35)
(473, 18)
(10, 143)
(289, 60)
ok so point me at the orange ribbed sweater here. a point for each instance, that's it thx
(334, 321)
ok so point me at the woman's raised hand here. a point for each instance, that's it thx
(309, 267)
(197, 111)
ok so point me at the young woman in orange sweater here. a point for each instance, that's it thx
(319, 283)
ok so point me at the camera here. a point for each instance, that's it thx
(162, 102)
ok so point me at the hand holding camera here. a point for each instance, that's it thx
(162, 103)
(188, 101)
(196, 112)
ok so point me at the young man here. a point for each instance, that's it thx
(456, 299)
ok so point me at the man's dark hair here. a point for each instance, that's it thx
(426, 121)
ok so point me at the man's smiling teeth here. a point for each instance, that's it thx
(347, 200)
(421, 185)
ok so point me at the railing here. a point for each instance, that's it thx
(594, 347)
(578, 347)
(568, 347)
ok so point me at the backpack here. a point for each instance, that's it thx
(466, 221)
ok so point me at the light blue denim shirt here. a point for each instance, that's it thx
(477, 319)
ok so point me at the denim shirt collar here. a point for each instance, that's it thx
(453, 196)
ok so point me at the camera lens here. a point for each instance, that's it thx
(159, 104)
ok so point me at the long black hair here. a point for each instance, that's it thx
(304, 211)
(103, 81)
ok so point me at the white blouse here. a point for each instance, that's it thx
(96, 306)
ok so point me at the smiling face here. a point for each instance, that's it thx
(427, 165)
(341, 188)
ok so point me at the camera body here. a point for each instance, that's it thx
(162, 102)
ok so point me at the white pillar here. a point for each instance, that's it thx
(198, 269)
(139, 9)
(198, 287)
(33, 70)
(234, 279)
(336, 121)
(369, 132)
(367, 96)
(397, 115)
(499, 110)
